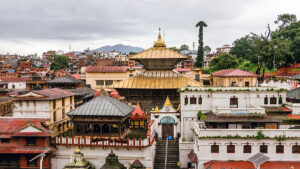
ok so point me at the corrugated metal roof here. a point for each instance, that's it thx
(157, 80)
(294, 94)
(102, 106)
(64, 79)
(158, 53)
(297, 77)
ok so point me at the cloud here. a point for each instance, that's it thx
(35, 25)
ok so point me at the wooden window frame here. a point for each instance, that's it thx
(278, 152)
(266, 100)
(200, 100)
(260, 149)
(228, 148)
(298, 149)
(234, 102)
(244, 149)
(273, 100)
(217, 148)
(193, 100)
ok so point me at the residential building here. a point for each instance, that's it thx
(22, 139)
(234, 78)
(52, 104)
(219, 51)
(16, 83)
(99, 77)
(6, 106)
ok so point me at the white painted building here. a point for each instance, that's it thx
(287, 84)
(226, 100)
(17, 83)
(241, 144)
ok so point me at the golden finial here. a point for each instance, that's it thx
(159, 42)
(178, 108)
(168, 102)
(77, 150)
(156, 109)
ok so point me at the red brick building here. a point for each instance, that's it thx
(22, 139)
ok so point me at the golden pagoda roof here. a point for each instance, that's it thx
(158, 51)
(157, 80)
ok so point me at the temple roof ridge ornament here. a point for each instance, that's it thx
(168, 102)
(159, 43)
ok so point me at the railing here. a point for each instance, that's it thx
(166, 156)
(253, 109)
(271, 133)
(103, 142)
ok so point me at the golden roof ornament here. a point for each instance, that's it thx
(168, 102)
(156, 109)
(178, 108)
(159, 43)
(77, 150)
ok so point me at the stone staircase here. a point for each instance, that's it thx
(172, 155)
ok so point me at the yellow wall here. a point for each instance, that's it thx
(240, 81)
(59, 108)
(115, 77)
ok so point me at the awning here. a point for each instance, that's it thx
(193, 157)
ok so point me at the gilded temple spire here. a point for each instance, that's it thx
(168, 102)
(159, 42)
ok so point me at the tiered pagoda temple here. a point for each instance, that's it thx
(158, 81)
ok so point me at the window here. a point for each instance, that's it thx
(230, 149)
(214, 149)
(197, 77)
(280, 100)
(247, 84)
(186, 100)
(32, 163)
(108, 82)
(54, 104)
(5, 140)
(233, 84)
(63, 102)
(263, 148)
(234, 102)
(273, 100)
(247, 149)
(54, 116)
(296, 149)
(279, 149)
(13, 86)
(193, 100)
(31, 141)
(266, 100)
(71, 100)
(99, 82)
(63, 113)
(200, 100)
(130, 75)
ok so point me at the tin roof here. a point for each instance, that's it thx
(106, 69)
(64, 80)
(102, 106)
(157, 80)
(294, 94)
(233, 72)
(46, 94)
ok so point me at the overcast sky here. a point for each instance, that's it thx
(34, 26)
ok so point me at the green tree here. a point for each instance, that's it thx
(174, 49)
(60, 62)
(184, 47)
(245, 48)
(207, 49)
(224, 61)
(200, 54)
(132, 53)
(285, 20)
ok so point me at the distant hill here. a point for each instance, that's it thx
(119, 48)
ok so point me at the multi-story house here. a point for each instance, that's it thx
(22, 139)
(52, 104)
(17, 83)
(234, 78)
(105, 76)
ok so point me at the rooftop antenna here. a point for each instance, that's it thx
(42, 155)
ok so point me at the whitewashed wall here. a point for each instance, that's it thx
(18, 85)
(98, 155)
(39, 109)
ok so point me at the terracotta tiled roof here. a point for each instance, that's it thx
(138, 114)
(106, 69)
(55, 93)
(182, 70)
(11, 127)
(233, 72)
(115, 94)
(14, 79)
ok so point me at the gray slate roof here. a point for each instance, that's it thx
(102, 106)
(294, 94)
(297, 77)
(64, 79)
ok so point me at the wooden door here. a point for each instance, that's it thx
(167, 130)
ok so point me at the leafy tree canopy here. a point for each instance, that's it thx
(174, 48)
(184, 47)
(224, 61)
(60, 62)
(207, 49)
